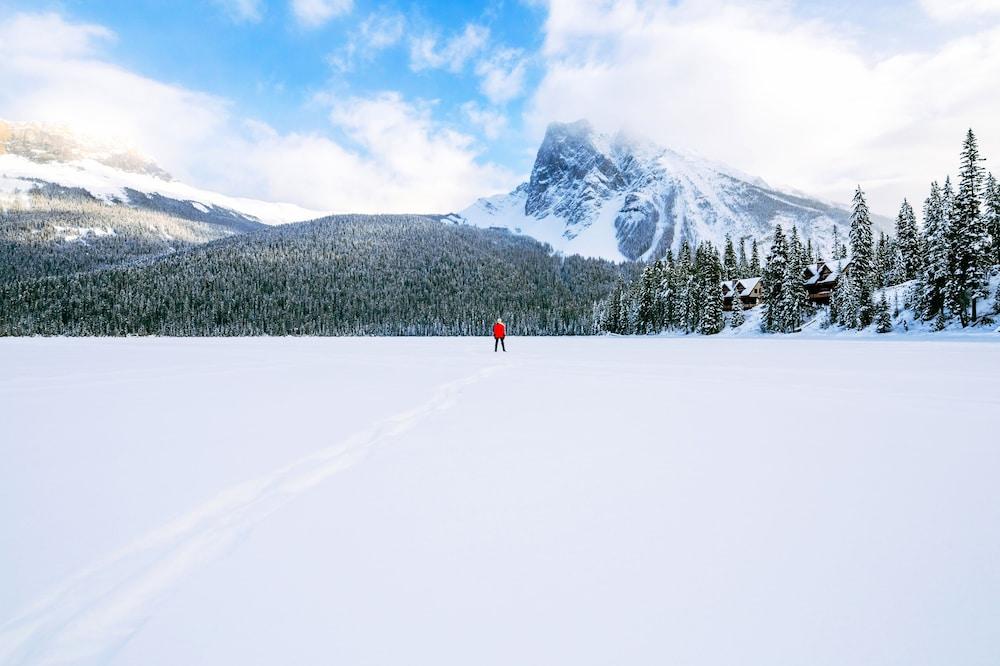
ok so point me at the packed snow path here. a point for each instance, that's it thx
(585, 501)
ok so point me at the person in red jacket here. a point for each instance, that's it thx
(499, 333)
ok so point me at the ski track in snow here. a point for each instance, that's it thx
(92, 614)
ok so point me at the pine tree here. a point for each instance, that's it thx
(711, 321)
(682, 287)
(991, 216)
(743, 266)
(737, 318)
(754, 260)
(935, 263)
(773, 283)
(839, 248)
(793, 295)
(646, 307)
(883, 319)
(729, 264)
(908, 243)
(862, 258)
(848, 306)
(969, 239)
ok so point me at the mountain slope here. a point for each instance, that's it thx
(38, 155)
(52, 230)
(344, 275)
(619, 197)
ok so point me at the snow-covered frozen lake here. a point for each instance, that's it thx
(426, 501)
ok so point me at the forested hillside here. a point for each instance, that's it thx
(342, 275)
(50, 230)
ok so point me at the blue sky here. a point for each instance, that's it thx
(360, 105)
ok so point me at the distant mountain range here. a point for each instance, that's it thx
(623, 198)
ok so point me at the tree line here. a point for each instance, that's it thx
(344, 275)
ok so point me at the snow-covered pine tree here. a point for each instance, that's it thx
(711, 312)
(743, 266)
(773, 282)
(697, 292)
(848, 307)
(883, 318)
(839, 247)
(754, 260)
(613, 310)
(884, 260)
(729, 264)
(991, 215)
(646, 296)
(935, 260)
(908, 243)
(969, 238)
(682, 289)
(737, 318)
(862, 257)
(793, 292)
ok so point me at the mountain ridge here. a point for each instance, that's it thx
(621, 197)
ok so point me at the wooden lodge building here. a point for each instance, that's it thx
(819, 279)
(750, 291)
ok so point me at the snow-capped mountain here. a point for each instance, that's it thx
(620, 197)
(55, 159)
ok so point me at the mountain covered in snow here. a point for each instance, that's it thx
(58, 161)
(621, 197)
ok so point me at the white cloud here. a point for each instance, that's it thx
(491, 123)
(960, 10)
(399, 160)
(379, 31)
(453, 54)
(413, 162)
(787, 99)
(242, 10)
(502, 75)
(47, 35)
(314, 13)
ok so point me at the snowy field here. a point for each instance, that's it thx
(426, 501)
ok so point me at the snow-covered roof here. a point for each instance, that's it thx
(815, 271)
(746, 285)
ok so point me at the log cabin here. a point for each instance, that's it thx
(749, 290)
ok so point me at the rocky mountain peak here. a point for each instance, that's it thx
(48, 142)
(624, 197)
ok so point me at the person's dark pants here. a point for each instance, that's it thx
(498, 341)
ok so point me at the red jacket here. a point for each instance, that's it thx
(499, 330)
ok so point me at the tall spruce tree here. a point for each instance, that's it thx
(646, 307)
(991, 215)
(729, 263)
(754, 260)
(910, 252)
(743, 266)
(935, 264)
(773, 283)
(883, 318)
(884, 260)
(736, 318)
(711, 321)
(793, 292)
(862, 257)
(969, 238)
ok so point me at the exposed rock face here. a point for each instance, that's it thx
(44, 142)
(620, 197)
